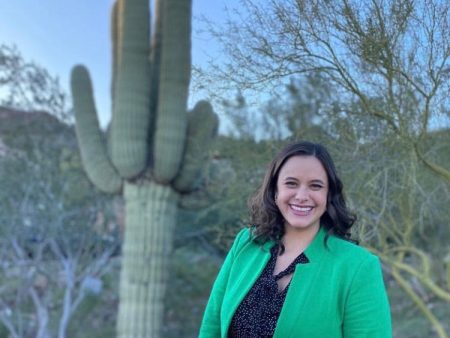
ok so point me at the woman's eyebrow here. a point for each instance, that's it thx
(318, 181)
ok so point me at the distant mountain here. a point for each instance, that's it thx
(24, 131)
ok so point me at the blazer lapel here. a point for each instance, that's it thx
(300, 288)
(248, 266)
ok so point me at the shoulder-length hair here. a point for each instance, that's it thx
(266, 219)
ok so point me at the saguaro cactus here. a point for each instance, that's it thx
(153, 150)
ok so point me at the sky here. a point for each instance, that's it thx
(58, 34)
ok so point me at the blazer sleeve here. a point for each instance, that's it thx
(367, 312)
(211, 323)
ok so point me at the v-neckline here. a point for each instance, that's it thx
(300, 259)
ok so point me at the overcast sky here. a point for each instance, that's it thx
(58, 34)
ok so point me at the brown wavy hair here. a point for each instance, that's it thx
(266, 219)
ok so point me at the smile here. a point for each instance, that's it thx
(301, 209)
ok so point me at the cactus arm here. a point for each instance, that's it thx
(130, 123)
(116, 30)
(155, 60)
(92, 146)
(173, 89)
(202, 128)
(115, 39)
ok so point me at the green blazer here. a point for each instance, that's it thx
(339, 293)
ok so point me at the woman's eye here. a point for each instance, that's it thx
(316, 186)
(291, 184)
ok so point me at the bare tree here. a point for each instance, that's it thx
(52, 255)
(27, 86)
(391, 56)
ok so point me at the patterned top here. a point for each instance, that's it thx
(258, 313)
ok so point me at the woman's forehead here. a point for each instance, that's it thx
(303, 166)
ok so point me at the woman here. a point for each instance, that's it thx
(295, 273)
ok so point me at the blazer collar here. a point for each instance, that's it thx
(316, 248)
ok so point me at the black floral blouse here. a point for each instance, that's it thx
(258, 313)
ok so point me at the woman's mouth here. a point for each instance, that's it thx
(301, 210)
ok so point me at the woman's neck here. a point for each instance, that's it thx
(297, 240)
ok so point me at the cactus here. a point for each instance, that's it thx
(153, 150)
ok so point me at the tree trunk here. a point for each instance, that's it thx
(150, 216)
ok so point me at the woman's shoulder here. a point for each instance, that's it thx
(243, 236)
(245, 242)
(348, 251)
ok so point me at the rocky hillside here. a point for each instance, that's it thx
(25, 131)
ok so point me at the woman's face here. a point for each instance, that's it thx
(302, 189)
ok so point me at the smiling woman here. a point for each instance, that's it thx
(295, 272)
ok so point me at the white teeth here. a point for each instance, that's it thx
(303, 209)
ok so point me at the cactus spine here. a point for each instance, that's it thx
(154, 148)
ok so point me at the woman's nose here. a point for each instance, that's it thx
(301, 193)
